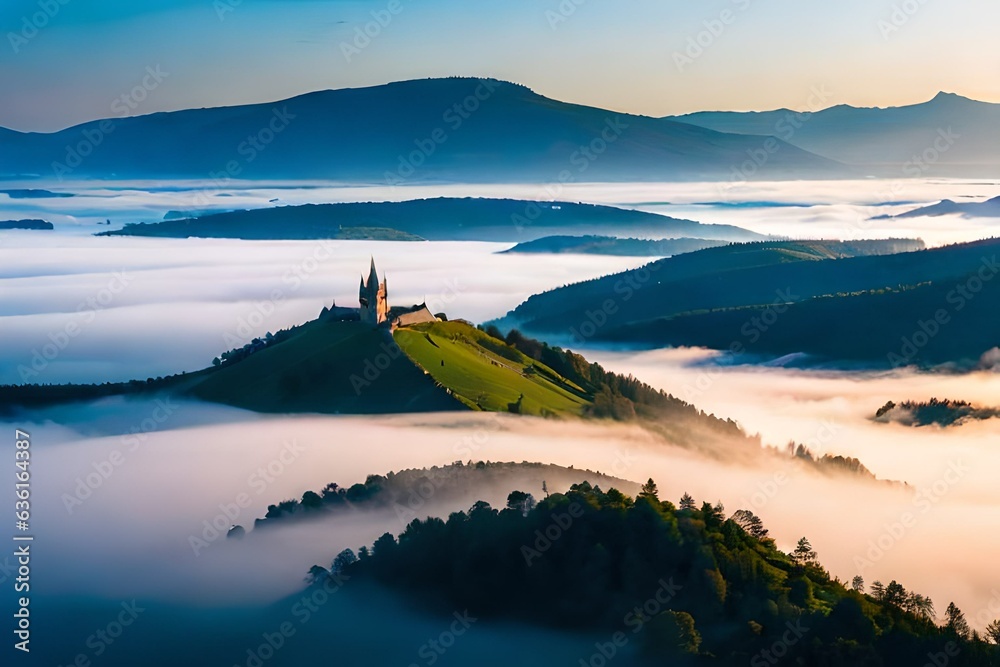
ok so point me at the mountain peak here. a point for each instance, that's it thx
(943, 97)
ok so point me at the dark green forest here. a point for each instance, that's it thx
(773, 299)
(673, 585)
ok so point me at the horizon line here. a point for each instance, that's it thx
(939, 94)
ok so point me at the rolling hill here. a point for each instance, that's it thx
(337, 365)
(439, 219)
(326, 367)
(948, 135)
(926, 325)
(456, 129)
(925, 308)
(725, 277)
(341, 366)
(456, 482)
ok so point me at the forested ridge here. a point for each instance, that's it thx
(683, 584)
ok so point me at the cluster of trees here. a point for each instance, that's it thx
(407, 492)
(829, 462)
(256, 345)
(941, 412)
(687, 582)
(896, 594)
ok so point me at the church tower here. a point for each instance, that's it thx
(374, 298)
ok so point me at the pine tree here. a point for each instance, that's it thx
(751, 523)
(687, 502)
(804, 554)
(650, 491)
(920, 605)
(993, 632)
(955, 621)
(895, 594)
(878, 590)
(858, 583)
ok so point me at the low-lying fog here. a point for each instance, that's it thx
(797, 209)
(163, 306)
(82, 308)
(135, 520)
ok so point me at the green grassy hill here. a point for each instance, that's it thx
(487, 374)
(346, 367)
(327, 367)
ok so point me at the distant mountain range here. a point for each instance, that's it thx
(949, 135)
(432, 130)
(439, 219)
(986, 209)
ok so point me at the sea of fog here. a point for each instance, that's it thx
(797, 209)
(74, 307)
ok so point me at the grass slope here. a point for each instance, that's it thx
(327, 367)
(346, 367)
(485, 373)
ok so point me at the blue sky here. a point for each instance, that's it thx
(67, 61)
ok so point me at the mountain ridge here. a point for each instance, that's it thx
(460, 129)
(946, 135)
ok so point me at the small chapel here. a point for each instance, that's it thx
(373, 299)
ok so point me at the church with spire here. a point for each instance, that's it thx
(373, 301)
(374, 298)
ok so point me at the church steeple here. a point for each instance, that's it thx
(373, 298)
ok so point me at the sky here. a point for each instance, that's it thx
(67, 61)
